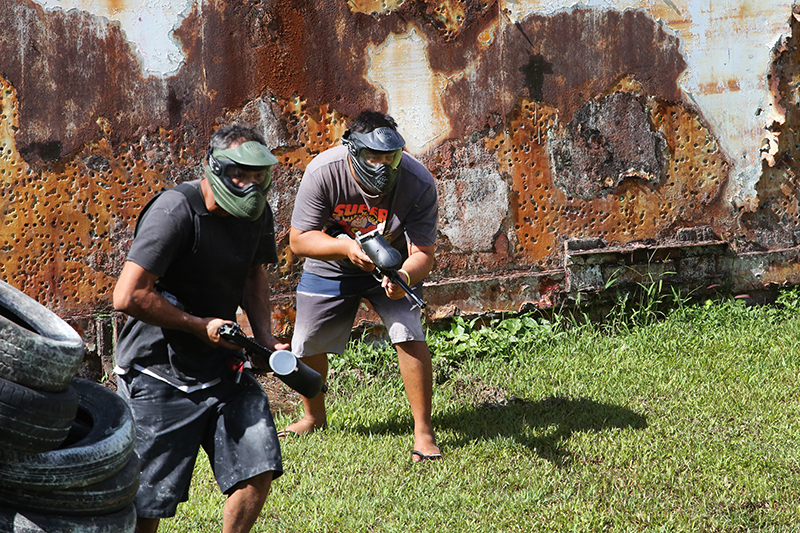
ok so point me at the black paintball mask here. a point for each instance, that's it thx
(375, 179)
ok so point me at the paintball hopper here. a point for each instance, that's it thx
(380, 251)
(283, 363)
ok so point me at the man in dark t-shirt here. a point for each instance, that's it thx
(367, 184)
(199, 255)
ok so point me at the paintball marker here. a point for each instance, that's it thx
(387, 261)
(283, 363)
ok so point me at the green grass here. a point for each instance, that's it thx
(686, 423)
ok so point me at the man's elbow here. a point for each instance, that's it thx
(295, 248)
(296, 243)
(122, 300)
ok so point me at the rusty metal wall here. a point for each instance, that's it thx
(566, 140)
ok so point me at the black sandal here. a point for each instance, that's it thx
(423, 458)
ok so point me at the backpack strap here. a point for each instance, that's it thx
(194, 196)
(197, 206)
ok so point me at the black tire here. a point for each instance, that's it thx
(12, 521)
(37, 348)
(33, 421)
(99, 444)
(107, 496)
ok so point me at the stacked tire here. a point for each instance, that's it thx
(67, 463)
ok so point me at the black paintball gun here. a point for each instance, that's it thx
(387, 261)
(283, 363)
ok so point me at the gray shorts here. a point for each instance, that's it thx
(326, 310)
(231, 422)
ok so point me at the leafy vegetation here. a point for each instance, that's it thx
(679, 419)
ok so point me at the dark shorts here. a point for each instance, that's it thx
(231, 422)
(326, 310)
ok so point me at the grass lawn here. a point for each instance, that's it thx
(683, 422)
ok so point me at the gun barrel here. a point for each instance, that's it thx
(397, 278)
(303, 379)
(233, 333)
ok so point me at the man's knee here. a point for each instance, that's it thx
(416, 349)
(260, 483)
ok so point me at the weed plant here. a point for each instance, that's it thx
(678, 420)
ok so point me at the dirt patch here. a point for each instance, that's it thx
(474, 390)
(282, 399)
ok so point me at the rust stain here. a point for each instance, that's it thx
(374, 7)
(88, 141)
(115, 5)
(447, 17)
(314, 130)
(544, 215)
(471, 295)
(608, 140)
(452, 51)
(282, 57)
(65, 226)
(562, 61)
(779, 273)
(68, 71)
(720, 86)
(316, 51)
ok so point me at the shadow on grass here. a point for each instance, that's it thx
(544, 426)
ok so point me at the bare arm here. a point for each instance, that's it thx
(319, 245)
(136, 296)
(256, 303)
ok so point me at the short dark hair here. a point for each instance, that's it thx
(369, 120)
(227, 135)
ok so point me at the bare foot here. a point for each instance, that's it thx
(301, 427)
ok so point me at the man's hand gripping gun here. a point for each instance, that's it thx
(283, 363)
(387, 261)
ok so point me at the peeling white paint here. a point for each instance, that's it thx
(148, 25)
(728, 47)
(401, 69)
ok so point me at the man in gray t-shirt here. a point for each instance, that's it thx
(368, 183)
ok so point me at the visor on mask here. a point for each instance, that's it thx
(382, 139)
(248, 156)
(232, 171)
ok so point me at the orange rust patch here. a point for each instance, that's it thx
(374, 7)
(544, 215)
(63, 225)
(79, 159)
